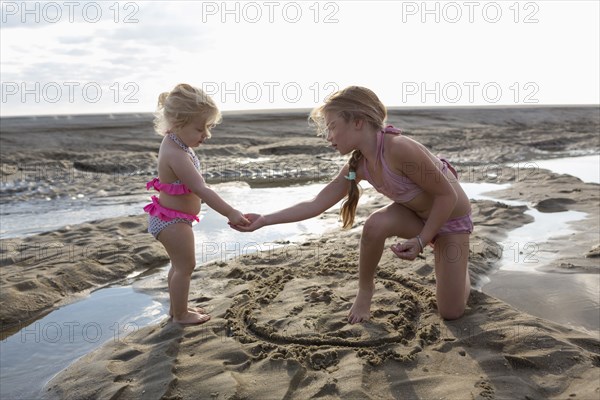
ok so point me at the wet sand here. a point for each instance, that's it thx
(278, 317)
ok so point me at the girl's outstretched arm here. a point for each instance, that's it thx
(327, 198)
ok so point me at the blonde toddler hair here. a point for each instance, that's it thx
(178, 107)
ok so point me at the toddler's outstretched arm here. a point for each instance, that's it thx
(184, 169)
(215, 202)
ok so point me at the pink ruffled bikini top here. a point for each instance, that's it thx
(176, 188)
(397, 187)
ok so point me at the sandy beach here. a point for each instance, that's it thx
(278, 327)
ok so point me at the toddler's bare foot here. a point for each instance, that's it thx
(360, 310)
(192, 318)
(197, 310)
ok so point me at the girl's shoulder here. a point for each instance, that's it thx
(168, 145)
(401, 150)
(398, 145)
(168, 149)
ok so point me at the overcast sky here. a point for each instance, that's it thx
(95, 57)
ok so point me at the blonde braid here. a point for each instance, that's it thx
(348, 210)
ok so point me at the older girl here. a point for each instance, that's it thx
(428, 204)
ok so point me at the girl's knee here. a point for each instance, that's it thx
(452, 305)
(452, 313)
(186, 268)
(372, 230)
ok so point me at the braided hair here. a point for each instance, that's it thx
(348, 210)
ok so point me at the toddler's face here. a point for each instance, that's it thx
(196, 132)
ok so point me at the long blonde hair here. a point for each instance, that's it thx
(178, 107)
(352, 103)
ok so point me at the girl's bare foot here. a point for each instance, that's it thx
(360, 310)
(192, 318)
(197, 310)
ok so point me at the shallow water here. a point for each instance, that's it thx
(31, 357)
(56, 213)
(527, 248)
(34, 355)
(571, 299)
(586, 168)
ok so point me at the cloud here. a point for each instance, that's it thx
(76, 52)
(105, 51)
(68, 40)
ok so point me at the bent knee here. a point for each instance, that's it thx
(372, 230)
(451, 314)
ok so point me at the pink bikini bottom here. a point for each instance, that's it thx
(454, 226)
(160, 217)
(457, 225)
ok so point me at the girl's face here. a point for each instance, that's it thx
(339, 133)
(196, 132)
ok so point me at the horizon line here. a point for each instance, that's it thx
(305, 109)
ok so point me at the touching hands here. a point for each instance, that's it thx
(408, 250)
(255, 221)
(237, 218)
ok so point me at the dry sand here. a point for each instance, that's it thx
(278, 327)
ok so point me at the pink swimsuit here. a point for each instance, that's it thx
(402, 189)
(175, 189)
(160, 217)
